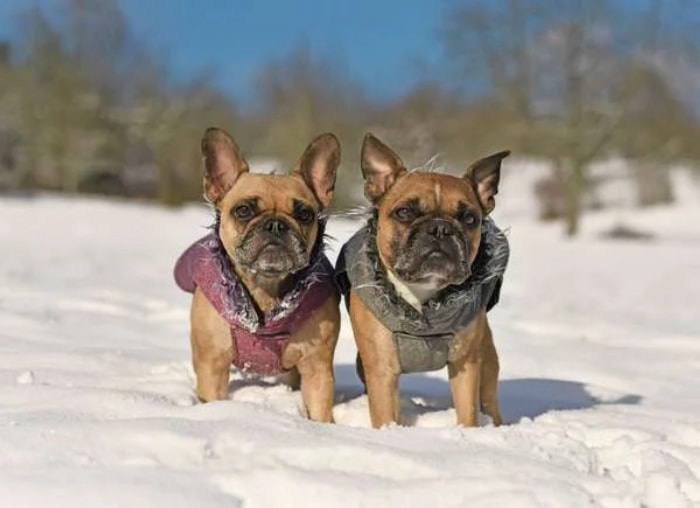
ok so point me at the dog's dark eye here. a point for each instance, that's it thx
(404, 214)
(469, 219)
(243, 212)
(304, 215)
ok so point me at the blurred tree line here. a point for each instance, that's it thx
(85, 107)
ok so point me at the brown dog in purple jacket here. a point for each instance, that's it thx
(269, 233)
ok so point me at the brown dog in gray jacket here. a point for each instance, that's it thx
(428, 234)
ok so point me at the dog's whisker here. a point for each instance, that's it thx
(432, 165)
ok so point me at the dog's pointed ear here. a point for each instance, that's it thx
(318, 165)
(223, 163)
(485, 175)
(381, 167)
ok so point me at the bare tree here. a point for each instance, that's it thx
(562, 77)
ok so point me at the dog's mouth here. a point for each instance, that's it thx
(438, 263)
(436, 268)
(276, 259)
(272, 256)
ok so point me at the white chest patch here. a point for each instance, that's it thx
(414, 294)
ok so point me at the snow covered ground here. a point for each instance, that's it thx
(599, 343)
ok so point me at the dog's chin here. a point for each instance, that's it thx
(435, 268)
(276, 261)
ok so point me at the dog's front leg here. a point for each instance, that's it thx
(212, 350)
(466, 368)
(317, 388)
(464, 385)
(311, 350)
(383, 396)
(380, 363)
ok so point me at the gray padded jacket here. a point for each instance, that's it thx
(423, 339)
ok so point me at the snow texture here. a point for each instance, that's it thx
(599, 343)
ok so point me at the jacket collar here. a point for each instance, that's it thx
(239, 307)
(360, 262)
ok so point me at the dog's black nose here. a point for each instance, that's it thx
(441, 228)
(275, 226)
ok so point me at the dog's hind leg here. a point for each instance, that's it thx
(292, 379)
(360, 370)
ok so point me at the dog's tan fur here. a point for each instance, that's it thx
(309, 352)
(473, 367)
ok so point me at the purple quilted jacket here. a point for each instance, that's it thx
(259, 340)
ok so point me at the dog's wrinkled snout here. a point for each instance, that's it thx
(275, 226)
(440, 228)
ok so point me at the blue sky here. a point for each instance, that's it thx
(386, 44)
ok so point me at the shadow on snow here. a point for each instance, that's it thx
(519, 398)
